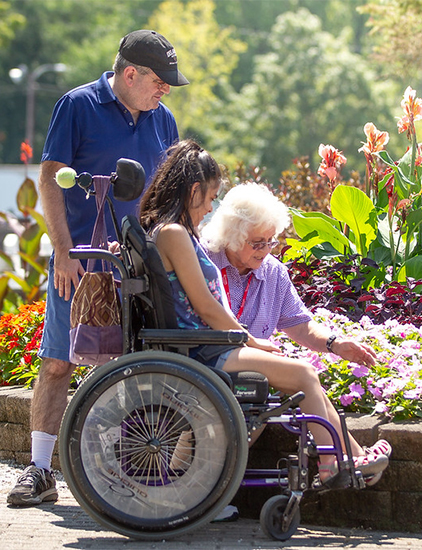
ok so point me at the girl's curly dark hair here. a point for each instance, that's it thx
(168, 198)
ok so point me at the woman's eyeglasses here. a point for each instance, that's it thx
(262, 245)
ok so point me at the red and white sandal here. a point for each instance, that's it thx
(370, 464)
(381, 447)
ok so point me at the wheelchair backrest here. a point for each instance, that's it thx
(157, 304)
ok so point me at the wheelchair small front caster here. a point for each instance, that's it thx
(275, 522)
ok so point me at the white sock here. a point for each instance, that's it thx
(42, 449)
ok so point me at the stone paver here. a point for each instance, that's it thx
(65, 525)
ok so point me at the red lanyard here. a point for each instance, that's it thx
(226, 288)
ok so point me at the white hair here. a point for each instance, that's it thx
(245, 206)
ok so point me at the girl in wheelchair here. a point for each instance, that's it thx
(180, 196)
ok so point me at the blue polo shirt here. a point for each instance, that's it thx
(90, 130)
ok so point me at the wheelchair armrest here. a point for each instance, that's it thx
(192, 337)
(99, 254)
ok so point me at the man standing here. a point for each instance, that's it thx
(92, 126)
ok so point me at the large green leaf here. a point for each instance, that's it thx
(27, 196)
(332, 221)
(322, 230)
(4, 288)
(403, 185)
(411, 268)
(21, 282)
(29, 242)
(38, 217)
(351, 206)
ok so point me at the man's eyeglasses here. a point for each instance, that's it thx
(262, 245)
(159, 83)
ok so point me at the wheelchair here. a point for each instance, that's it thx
(154, 444)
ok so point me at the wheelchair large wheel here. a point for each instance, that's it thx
(153, 445)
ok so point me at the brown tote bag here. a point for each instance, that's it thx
(95, 315)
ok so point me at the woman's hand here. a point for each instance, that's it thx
(114, 247)
(354, 351)
(262, 343)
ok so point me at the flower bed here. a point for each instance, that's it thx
(393, 387)
(20, 339)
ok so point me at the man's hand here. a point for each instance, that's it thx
(66, 273)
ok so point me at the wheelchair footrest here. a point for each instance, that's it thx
(249, 387)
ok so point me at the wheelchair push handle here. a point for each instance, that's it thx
(128, 181)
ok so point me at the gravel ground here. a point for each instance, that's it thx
(54, 526)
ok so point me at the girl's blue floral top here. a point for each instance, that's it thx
(186, 315)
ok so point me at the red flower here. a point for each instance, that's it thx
(13, 343)
(26, 152)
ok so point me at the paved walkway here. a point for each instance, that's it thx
(65, 525)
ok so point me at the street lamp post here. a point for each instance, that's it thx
(17, 74)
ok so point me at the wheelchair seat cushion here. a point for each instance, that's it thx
(249, 387)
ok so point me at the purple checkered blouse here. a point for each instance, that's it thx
(272, 301)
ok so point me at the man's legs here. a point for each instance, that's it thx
(48, 405)
(50, 395)
(37, 483)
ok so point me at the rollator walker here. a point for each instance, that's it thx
(154, 444)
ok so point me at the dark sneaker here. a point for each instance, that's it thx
(34, 486)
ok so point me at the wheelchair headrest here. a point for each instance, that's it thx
(128, 180)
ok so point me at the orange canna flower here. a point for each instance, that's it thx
(26, 152)
(412, 107)
(332, 159)
(376, 140)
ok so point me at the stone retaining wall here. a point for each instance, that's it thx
(395, 503)
(15, 435)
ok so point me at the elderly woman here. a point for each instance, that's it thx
(238, 239)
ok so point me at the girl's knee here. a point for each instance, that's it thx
(308, 374)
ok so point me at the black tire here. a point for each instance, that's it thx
(271, 518)
(118, 445)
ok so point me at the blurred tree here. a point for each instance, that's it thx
(396, 28)
(253, 20)
(308, 89)
(207, 55)
(83, 35)
(10, 21)
(268, 109)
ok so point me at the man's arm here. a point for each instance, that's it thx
(66, 271)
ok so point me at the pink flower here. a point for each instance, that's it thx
(376, 140)
(412, 394)
(412, 107)
(331, 163)
(360, 371)
(346, 399)
(356, 390)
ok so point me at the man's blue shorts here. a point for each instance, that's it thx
(55, 341)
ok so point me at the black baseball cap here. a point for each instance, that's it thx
(150, 49)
